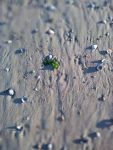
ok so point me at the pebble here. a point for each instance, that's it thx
(50, 7)
(98, 134)
(50, 31)
(50, 56)
(36, 89)
(7, 69)
(9, 42)
(38, 77)
(94, 47)
(11, 92)
(109, 51)
(19, 127)
(50, 146)
(24, 99)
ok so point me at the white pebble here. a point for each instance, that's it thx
(7, 69)
(109, 51)
(50, 56)
(50, 32)
(50, 146)
(39, 77)
(94, 47)
(104, 21)
(36, 89)
(19, 127)
(9, 41)
(11, 92)
(98, 134)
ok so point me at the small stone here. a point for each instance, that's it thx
(50, 56)
(98, 134)
(102, 98)
(94, 47)
(38, 77)
(50, 7)
(107, 34)
(104, 21)
(30, 58)
(109, 51)
(24, 99)
(19, 127)
(36, 89)
(11, 92)
(50, 31)
(7, 69)
(9, 42)
(50, 146)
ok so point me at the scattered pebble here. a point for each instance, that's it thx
(109, 51)
(36, 89)
(11, 92)
(9, 42)
(7, 69)
(23, 99)
(102, 98)
(94, 47)
(107, 34)
(50, 31)
(19, 128)
(50, 146)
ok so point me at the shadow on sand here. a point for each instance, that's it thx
(105, 123)
(80, 141)
(103, 52)
(17, 101)
(90, 70)
(48, 67)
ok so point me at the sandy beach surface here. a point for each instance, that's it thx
(70, 108)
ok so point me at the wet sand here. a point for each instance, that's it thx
(70, 103)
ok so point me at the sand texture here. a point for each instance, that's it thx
(70, 108)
